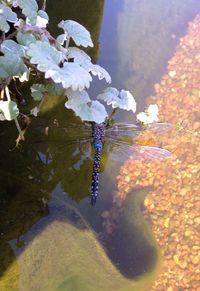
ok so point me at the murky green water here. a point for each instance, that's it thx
(50, 236)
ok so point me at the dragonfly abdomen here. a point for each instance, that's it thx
(98, 133)
(95, 177)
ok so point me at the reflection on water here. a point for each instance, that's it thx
(47, 227)
(145, 34)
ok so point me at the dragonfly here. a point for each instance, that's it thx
(99, 132)
(121, 137)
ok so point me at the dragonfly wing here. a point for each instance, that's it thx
(121, 152)
(70, 132)
(159, 127)
(128, 132)
(123, 133)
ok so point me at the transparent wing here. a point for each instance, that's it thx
(128, 132)
(119, 151)
(70, 132)
(120, 132)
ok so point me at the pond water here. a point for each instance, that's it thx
(51, 238)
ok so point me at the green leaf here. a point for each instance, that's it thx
(97, 70)
(11, 65)
(42, 19)
(34, 111)
(29, 9)
(11, 47)
(9, 109)
(78, 55)
(72, 75)
(45, 56)
(61, 38)
(6, 15)
(25, 38)
(150, 115)
(47, 59)
(74, 96)
(37, 91)
(55, 89)
(95, 111)
(79, 33)
(86, 109)
(84, 61)
(123, 99)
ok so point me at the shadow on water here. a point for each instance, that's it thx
(88, 13)
(131, 247)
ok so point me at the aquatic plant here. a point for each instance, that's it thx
(29, 50)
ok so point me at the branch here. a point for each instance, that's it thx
(11, 35)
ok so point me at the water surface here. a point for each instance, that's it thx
(48, 227)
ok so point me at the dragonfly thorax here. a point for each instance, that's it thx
(98, 133)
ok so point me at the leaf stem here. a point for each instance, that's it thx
(11, 35)
(110, 117)
(7, 93)
(19, 129)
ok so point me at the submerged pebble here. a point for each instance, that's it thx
(173, 204)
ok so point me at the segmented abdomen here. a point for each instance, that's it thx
(95, 177)
(98, 133)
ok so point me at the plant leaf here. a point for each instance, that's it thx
(42, 19)
(97, 70)
(37, 91)
(25, 76)
(47, 59)
(86, 109)
(11, 47)
(44, 56)
(110, 96)
(34, 111)
(79, 33)
(25, 38)
(71, 75)
(78, 55)
(29, 9)
(11, 65)
(150, 115)
(9, 109)
(6, 15)
(61, 38)
(123, 99)
(84, 61)
(55, 89)
(127, 101)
